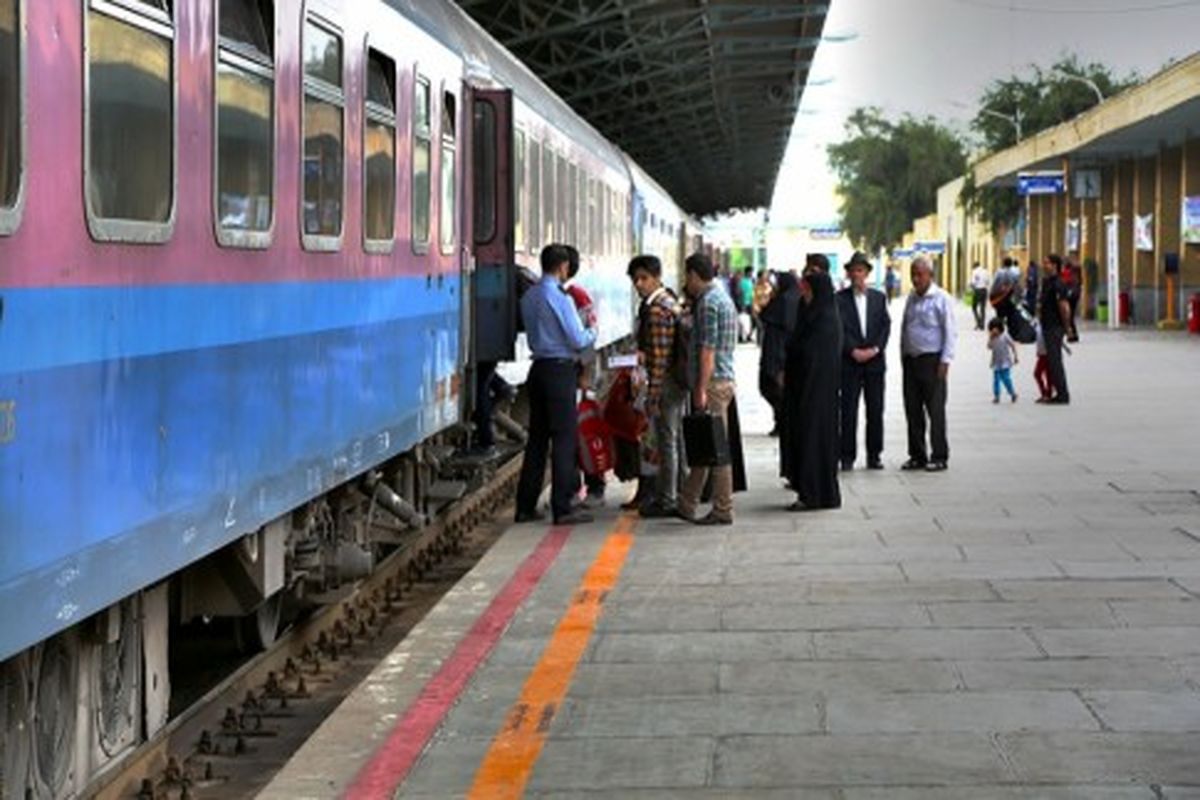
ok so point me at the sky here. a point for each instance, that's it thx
(936, 57)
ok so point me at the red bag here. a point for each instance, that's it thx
(623, 418)
(595, 452)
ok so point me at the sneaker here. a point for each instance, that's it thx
(713, 518)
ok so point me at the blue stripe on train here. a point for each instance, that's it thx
(51, 327)
(120, 472)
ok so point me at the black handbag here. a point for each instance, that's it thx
(705, 440)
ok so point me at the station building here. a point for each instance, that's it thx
(1126, 205)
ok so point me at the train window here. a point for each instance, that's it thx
(548, 174)
(572, 233)
(420, 165)
(591, 214)
(11, 113)
(485, 171)
(520, 191)
(448, 207)
(581, 210)
(379, 148)
(324, 101)
(535, 195)
(245, 122)
(130, 121)
(560, 196)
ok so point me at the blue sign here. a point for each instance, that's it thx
(902, 252)
(1048, 182)
(933, 248)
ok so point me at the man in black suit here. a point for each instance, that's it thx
(865, 329)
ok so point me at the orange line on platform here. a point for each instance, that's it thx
(515, 750)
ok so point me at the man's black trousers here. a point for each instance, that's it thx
(856, 380)
(552, 419)
(1053, 336)
(925, 394)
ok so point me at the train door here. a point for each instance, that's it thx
(494, 318)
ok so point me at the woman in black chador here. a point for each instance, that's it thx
(810, 398)
(777, 319)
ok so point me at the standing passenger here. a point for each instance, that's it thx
(1054, 314)
(666, 393)
(866, 327)
(814, 356)
(713, 342)
(587, 365)
(927, 339)
(777, 319)
(557, 339)
(980, 280)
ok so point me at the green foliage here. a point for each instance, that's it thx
(889, 173)
(1043, 101)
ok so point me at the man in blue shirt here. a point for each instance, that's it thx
(557, 338)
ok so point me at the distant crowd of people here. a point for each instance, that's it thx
(823, 354)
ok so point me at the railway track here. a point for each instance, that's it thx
(233, 738)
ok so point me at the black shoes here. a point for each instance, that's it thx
(937, 466)
(875, 463)
(656, 511)
(529, 516)
(912, 464)
(847, 465)
(574, 518)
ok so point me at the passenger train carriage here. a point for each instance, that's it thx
(249, 253)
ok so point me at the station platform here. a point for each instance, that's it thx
(1024, 625)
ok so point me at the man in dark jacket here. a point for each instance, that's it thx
(865, 329)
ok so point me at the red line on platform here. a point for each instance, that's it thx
(391, 763)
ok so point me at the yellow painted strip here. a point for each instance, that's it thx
(510, 760)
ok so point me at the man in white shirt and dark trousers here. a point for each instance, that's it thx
(866, 326)
(980, 281)
(927, 340)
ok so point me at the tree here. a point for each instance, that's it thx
(1047, 99)
(889, 172)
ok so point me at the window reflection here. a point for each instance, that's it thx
(10, 104)
(244, 149)
(322, 168)
(381, 182)
(129, 120)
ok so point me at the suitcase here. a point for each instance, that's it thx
(705, 440)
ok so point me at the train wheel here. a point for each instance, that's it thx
(259, 629)
(16, 722)
(117, 678)
(54, 700)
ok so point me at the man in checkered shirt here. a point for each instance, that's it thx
(713, 340)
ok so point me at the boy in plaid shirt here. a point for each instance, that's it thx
(666, 393)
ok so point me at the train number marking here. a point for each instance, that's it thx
(189, 535)
(384, 441)
(230, 517)
(8, 421)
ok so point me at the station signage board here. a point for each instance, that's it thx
(932, 248)
(1042, 182)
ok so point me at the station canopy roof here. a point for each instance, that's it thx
(701, 93)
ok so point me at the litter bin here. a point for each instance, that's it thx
(1102, 311)
(1194, 313)
(1123, 308)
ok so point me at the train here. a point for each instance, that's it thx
(250, 254)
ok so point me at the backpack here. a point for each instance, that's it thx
(679, 347)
